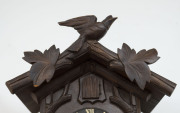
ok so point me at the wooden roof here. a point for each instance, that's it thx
(95, 58)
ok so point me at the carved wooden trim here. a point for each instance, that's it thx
(110, 59)
(92, 86)
(100, 54)
(83, 69)
(19, 83)
(138, 105)
(49, 99)
(58, 83)
(43, 65)
(62, 100)
(117, 100)
(121, 69)
(136, 65)
(122, 104)
(95, 51)
(88, 28)
(122, 82)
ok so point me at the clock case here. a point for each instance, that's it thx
(88, 79)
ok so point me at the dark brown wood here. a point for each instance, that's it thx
(133, 99)
(95, 51)
(101, 55)
(164, 85)
(138, 105)
(116, 99)
(83, 69)
(74, 105)
(43, 65)
(89, 75)
(49, 99)
(19, 82)
(57, 83)
(94, 92)
(157, 95)
(24, 96)
(136, 65)
(110, 59)
(42, 106)
(60, 102)
(63, 99)
(90, 87)
(117, 66)
(89, 29)
(122, 82)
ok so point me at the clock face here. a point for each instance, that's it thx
(91, 110)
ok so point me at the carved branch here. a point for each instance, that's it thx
(116, 99)
(122, 82)
(63, 99)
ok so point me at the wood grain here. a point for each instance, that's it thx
(116, 99)
(92, 87)
(43, 65)
(62, 100)
(71, 66)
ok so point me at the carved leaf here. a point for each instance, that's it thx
(136, 65)
(43, 65)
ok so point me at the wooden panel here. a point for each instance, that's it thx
(90, 87)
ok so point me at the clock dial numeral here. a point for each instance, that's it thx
(89, 110)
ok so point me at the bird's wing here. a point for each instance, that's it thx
(80, 23)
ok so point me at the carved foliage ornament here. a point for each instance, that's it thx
(43, 65)
(136, 65)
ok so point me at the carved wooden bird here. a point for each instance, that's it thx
(88, 28)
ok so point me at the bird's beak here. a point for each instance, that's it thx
(110, 17)
(109, 20)
(113, 19)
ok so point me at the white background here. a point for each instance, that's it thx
(26, 25)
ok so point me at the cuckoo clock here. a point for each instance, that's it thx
(89, 78)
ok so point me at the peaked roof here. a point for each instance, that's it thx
(106, 64)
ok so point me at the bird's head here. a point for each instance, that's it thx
(108, 21)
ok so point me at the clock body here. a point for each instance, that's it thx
(90, 93)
